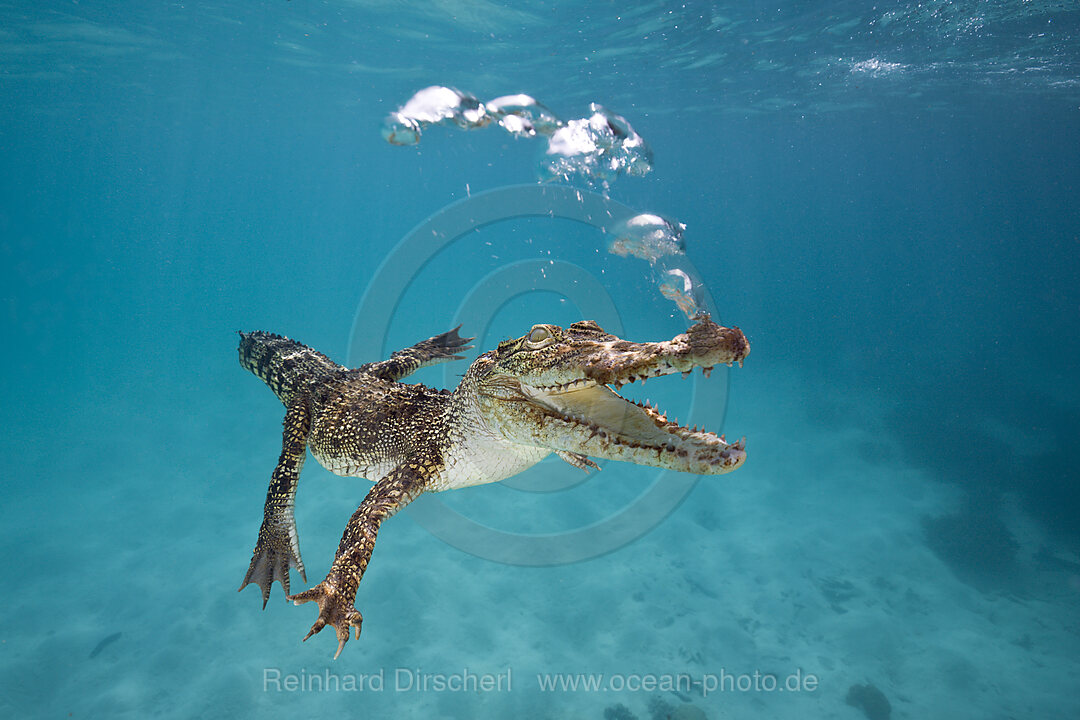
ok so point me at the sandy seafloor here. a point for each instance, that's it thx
(789, 565)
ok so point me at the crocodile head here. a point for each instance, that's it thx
(555, 388)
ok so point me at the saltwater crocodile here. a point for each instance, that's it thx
(552, 390)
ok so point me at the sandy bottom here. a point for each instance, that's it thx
(767, 593)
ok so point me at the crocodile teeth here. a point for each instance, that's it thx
(566, 387)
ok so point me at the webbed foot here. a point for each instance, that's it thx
(335, 609)
(274, 555)
(452, 342)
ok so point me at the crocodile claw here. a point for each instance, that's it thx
(270, 562)
(334, 609)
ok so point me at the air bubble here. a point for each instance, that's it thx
(523, 116)
(433, 106)
(599, 147)
(649, 237)
(676, 285)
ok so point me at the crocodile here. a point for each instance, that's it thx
(553, 390)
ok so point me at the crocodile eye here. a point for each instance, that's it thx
(539, 334)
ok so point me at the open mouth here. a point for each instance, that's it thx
(607, 418)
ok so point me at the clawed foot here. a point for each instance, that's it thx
(271, 561)
(452, 342)
(334, 609)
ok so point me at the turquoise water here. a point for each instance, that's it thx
(883, 197)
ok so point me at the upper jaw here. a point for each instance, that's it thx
(616, 362)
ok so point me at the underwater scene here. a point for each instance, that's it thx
(687, 360)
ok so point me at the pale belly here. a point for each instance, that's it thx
(494, 464)
(471, 461)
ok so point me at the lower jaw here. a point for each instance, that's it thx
(692, 462)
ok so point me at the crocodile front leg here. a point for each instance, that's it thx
(278, 547)
(432, 351)
(337, 593)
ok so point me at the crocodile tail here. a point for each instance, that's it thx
(285, 365)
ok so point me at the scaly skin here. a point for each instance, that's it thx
(548, 391)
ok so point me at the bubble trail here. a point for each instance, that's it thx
(598, 148)
(660, 241)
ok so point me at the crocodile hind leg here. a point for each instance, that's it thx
(278, 547)
(337, 593)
